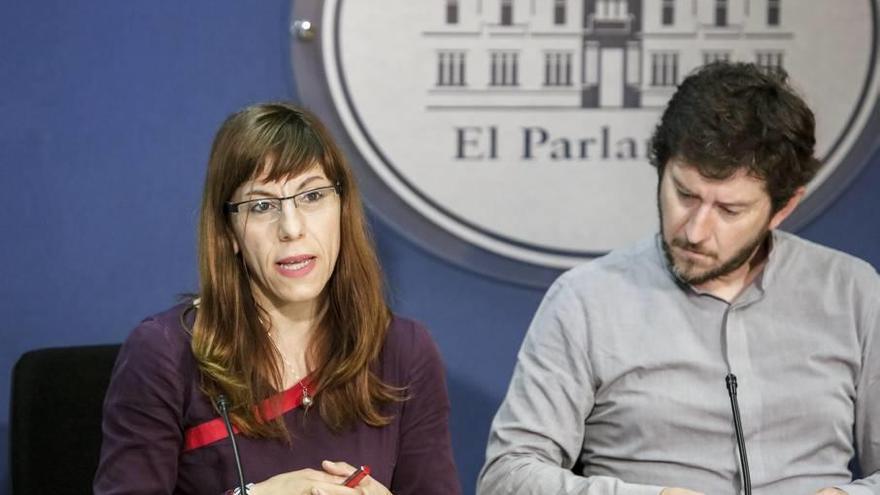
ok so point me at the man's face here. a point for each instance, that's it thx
(710, 227)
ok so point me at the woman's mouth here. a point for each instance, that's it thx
(296, 266)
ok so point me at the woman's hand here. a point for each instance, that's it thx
(367, 486)
(303, 482)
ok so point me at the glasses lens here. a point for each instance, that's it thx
(315, 199)
(261, 210)
(267, 210)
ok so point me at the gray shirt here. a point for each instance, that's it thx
(623, 369)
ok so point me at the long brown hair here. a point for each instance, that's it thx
(230, 339)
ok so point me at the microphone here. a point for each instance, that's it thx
(740, 440)
(223, 406)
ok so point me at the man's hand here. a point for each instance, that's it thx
(831, 491)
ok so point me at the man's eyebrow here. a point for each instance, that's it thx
(735, 204)
(679, 185)
(726, 204)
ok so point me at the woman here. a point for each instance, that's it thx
(291, 330)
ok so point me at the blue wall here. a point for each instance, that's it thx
(108, 109)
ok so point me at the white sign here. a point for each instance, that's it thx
(521, 127)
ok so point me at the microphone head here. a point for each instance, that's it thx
(222, 403)
(730, 379)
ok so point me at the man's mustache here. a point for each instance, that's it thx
(694, 248)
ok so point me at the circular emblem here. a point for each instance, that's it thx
(511, 136)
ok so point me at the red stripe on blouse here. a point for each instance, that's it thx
(215, 430)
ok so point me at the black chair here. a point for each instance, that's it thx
(55, 418)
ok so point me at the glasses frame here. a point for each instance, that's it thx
(230, 207)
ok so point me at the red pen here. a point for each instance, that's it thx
(356, 477)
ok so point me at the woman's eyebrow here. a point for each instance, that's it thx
(260, 192)
(269, 194)
(308, 181)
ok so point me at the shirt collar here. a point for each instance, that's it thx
(754, 291)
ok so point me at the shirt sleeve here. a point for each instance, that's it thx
(142, 415)
(537, 434)
(867, 421)
(424, 461)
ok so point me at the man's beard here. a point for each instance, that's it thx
(685, 274)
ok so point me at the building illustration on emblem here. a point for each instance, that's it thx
(590, 54)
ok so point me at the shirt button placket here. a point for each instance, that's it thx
(748, 393)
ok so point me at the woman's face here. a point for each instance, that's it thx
(289, 246)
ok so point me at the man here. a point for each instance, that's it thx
(623, 368)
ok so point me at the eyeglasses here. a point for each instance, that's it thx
(268, 210)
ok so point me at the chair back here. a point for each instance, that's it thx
(55, 418)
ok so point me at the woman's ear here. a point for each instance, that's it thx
(233, 239)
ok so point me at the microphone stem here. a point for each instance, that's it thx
(223, 404)
(740, 439)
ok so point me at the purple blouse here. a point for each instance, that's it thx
(154, 397)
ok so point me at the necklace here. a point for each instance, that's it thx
(306, 398)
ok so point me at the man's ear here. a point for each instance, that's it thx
(789, 207)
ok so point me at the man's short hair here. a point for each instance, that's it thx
(728, 116)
